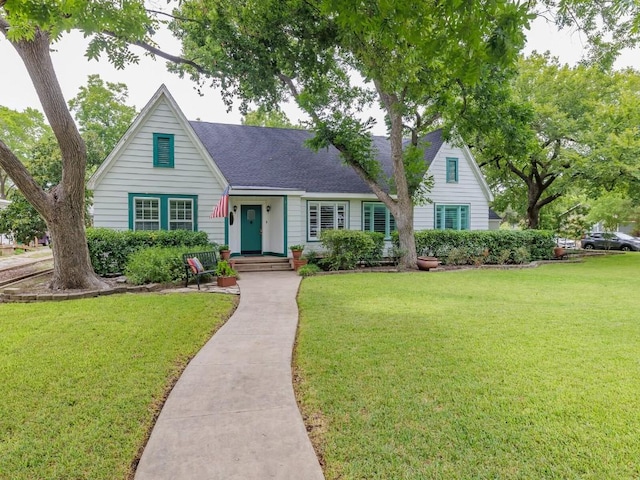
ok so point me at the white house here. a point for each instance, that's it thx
(169, 173)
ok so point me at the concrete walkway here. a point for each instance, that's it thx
(233, 414)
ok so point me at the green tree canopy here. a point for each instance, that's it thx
(20, 131)
(262, 117)
(609, 26)
(336, 57)
(103, 116)
(554, 128)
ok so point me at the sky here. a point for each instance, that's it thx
(143, 79)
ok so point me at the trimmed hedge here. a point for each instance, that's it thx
(109, 250)
(460, 247)
(158, 264)
(345, 249)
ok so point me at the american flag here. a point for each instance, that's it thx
(222, 207)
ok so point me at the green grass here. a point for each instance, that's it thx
(81, 381)
(482, 374)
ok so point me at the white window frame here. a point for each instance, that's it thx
(136, 220)
(338, 224)
(170, 221)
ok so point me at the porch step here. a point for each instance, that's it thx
(261, 264)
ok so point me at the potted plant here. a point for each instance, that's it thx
(226, 275)
(225, 253)
(296, 251)
(427, 260)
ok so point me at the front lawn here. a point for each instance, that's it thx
(482, 374)
(81, 381)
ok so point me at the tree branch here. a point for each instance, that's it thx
(548, 200)
(167, 56)
(23, 179)
(518, 172)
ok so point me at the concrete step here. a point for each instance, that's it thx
(258, 264)
(262, 267)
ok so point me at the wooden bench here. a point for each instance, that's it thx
(209, 262)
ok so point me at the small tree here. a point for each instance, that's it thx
(21, 221)
(612, 210)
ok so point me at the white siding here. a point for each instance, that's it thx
(133, 172)
(468, 191)
(296, 221)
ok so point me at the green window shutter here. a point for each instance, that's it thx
(367, 224)
(439, 217)
(392, 224)
(163, 153)
(380, 218)
(464, 217)
(452, 170)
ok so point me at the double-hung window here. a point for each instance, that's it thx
(452, 217)
(377, 218)
(452, 170)
(325, 216)
(146, 214)
(163, 211)
(180, 214)
(163, 150)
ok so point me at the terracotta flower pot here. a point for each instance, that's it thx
(226, 281)
(427, 263)
(558, 252)
(298, 263)
(225, 254)
(296, 254)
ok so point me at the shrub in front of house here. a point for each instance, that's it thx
(109, 250)
(465, 247)
(308, 270)
(345, 249)
(157, 264)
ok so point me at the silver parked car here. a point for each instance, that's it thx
(611, 241)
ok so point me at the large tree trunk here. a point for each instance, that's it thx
(63, 207)
(402, 208)
(533, 216)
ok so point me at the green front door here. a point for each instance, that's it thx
(251, 229)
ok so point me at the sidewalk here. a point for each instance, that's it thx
(233, 414)
(26, 258)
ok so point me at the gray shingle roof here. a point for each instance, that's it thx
(264, 157)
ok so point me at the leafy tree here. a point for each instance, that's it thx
(19, 131)
(21, 220)
(262, 117)
(609, 26)
(31, 28)
(417, 59)
(103, 116)
(612, 159)
(612, 209)
(549, 130)
(45, 162)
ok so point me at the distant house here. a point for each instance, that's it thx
(169, 173)
(494, 220)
